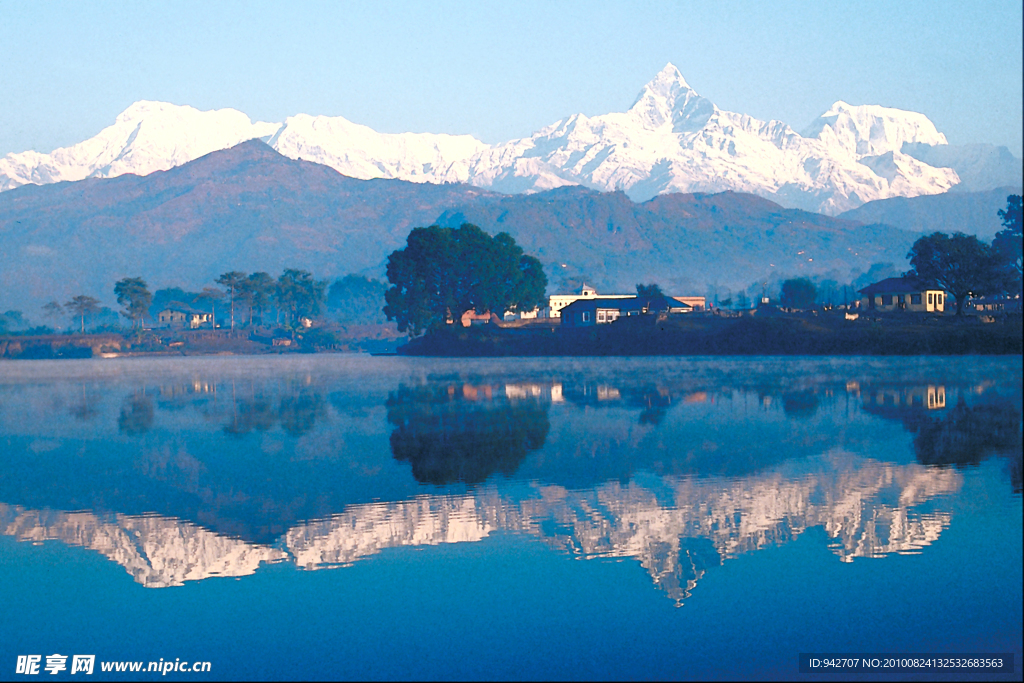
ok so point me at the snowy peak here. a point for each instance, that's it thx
(670, 140)
(146, 137)
(873, 130)
(361, 152)
(666, 86)
(668, 98)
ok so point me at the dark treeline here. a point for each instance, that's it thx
(779, 334)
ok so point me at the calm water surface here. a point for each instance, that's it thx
(341, 516)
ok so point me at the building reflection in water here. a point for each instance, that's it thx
(957, 434)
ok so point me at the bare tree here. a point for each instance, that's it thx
(81, 306)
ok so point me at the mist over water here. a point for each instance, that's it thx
(676, 481)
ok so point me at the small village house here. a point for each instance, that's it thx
(182, 315)
(604, 310)
(696, 303)
(558, 302)
(903, 294)
(471, 317)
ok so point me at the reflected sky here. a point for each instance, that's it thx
(213, 467)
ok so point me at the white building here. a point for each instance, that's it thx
(556, 302)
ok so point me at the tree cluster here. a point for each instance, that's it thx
(444, 272)
(295, 295)
(965, 266)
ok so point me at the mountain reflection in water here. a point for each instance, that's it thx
(675, 527)
(678, 472)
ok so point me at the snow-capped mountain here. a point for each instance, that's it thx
(156, 136)
(146, 137)
(674, 140)
(361, 152)
(670, 140)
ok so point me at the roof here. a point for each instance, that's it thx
(630, 304)
(900, 285)
(604, 302)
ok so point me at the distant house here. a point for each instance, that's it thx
(558, 302)
(1000, 303)
(473, 318)
(903, 294)
(696, 303)
(182, 315)
(604, 310)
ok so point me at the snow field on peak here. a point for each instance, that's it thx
(674, 140)
(146, 137)
(361, 152)
(670, 140)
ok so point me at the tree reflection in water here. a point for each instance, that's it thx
(136, 416)
(464, 433)
(968, 435)
(800, 404)
(299, 412)
(87, 408)
(249, 414)
(960, 436)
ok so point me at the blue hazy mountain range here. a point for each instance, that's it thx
(250, 208)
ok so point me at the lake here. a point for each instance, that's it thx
(349, 516)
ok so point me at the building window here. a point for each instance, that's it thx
(938, 299)
(886, 299)
(585, 316)
(915, 299)
(931, 299)
(600, 316)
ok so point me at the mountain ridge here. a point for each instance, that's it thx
(251, 208)
(670, 140)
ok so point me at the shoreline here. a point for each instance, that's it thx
(792, 334)
(776, 335)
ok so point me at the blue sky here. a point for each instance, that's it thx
(501, 70)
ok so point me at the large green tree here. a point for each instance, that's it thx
(961, 264)
(798, 293)
(82, 306)
(134, 295)
(444, 272)
(1007, 242)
